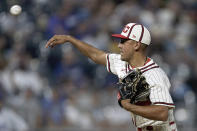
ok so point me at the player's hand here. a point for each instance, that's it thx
(56, 40)
(126, 103)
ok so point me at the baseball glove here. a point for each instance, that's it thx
(133, 87)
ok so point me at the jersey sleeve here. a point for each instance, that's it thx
(160, 85)
(113, 63)
(160, 96)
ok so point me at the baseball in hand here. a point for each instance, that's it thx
(15, 10)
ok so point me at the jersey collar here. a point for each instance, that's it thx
(146, 63)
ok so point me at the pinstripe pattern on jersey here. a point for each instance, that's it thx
(159, 92)
(153, 74)
(160, 87)
(115, 59)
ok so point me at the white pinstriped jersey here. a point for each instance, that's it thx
(159, 91)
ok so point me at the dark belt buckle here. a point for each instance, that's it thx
(149, 128)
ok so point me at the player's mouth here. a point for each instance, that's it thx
(121, 52)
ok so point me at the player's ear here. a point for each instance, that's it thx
(137, 45)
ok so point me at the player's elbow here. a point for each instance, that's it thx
(164, 115)
(99, 57)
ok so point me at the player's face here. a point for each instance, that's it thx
(126, 49)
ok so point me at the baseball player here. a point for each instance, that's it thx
(155, 114)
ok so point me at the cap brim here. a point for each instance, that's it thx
(119, 36)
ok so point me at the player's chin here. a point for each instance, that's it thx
(122, 58)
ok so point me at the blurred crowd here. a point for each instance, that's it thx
(59, 88)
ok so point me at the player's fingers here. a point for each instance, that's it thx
(127, 100)
(52, 46)
(50, 42)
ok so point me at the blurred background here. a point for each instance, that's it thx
(59, 89)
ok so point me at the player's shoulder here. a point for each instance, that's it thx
(114, 56)
(115, 65)
(151, 68)
(154, 73)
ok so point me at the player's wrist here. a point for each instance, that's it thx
(71, 39)
(126, 103)
(67, 38)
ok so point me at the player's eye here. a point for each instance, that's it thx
(122, 41)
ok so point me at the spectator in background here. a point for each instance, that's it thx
(27, 106)
(9, 120)
(53, 110)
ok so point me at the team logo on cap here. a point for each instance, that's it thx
(126, 28)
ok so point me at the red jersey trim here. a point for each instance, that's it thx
(142, 70)
(164, 103)
(171, 123)
(129, 69)
(108, 63)
(150, 68)
(147, 66)
(148, 60)
(139, 129)
(126, 67)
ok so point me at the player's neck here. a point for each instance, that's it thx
(138, 61)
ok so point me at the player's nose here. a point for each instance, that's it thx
(119, 45)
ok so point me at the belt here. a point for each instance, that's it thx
(149, 128)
